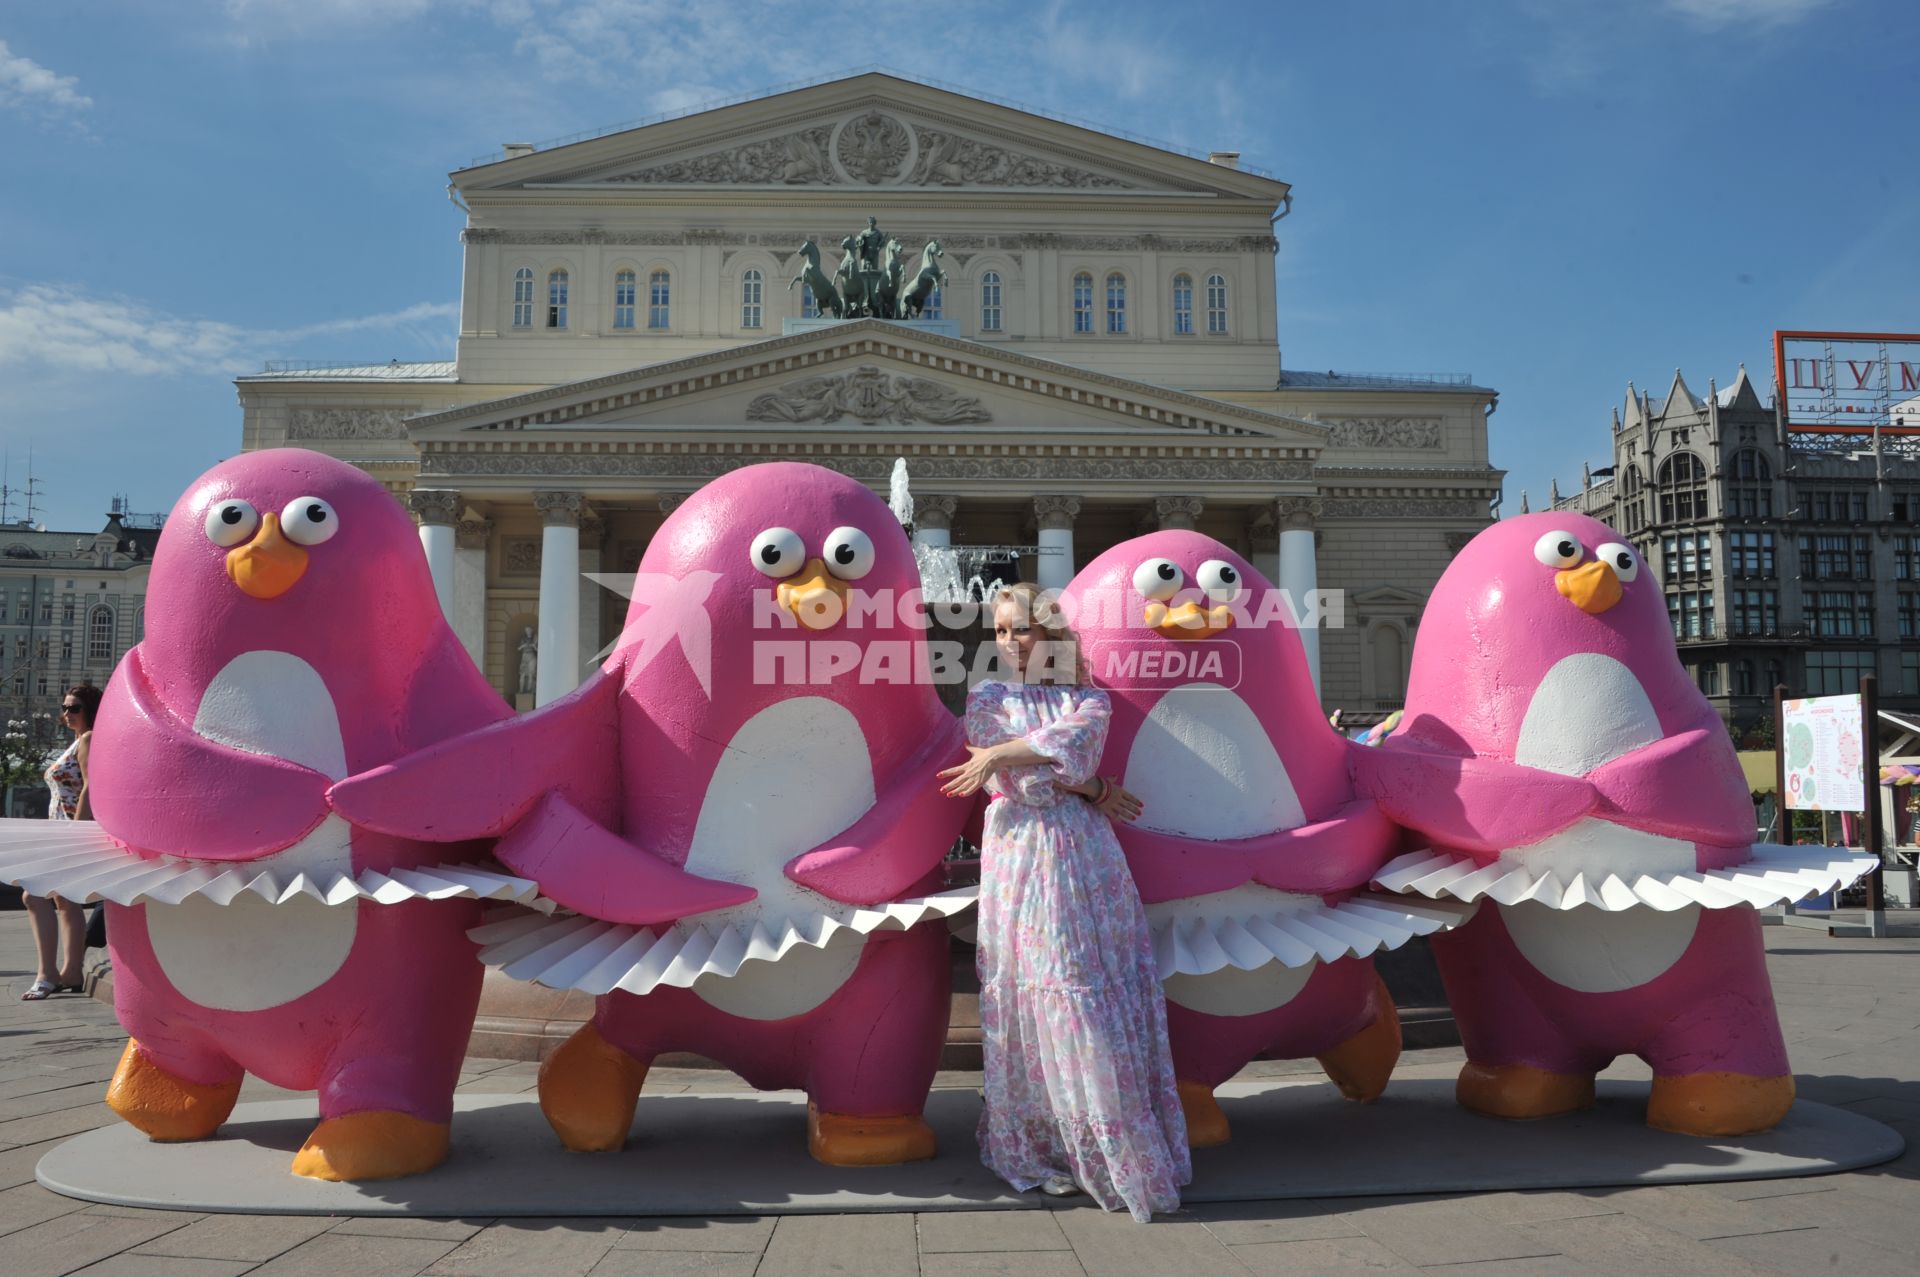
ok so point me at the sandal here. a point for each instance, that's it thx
(40, 991)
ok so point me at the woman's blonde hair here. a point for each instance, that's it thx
(1042, 607)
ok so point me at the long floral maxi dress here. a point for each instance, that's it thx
(1079, 1080)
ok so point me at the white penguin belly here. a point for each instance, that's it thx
(1588, 711)
(794, 775)
(1203, 766)
(251, 955)
(1593, 951)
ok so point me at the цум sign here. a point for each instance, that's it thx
(1824, 767)
(1849, 382)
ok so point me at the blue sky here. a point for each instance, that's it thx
(1554, 195)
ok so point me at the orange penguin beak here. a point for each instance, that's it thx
(1592, 587)
(267, 566)
(814, 595)
(1189, 620)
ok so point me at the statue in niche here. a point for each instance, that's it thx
(529, 660)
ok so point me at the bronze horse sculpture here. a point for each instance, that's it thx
(929, 277)
(826, 298)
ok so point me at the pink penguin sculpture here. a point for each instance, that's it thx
(1251, 842)
(1566, 769)
(293, 637)
(742, 807)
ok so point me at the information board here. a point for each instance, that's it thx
(1824, 763)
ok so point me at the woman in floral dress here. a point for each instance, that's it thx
(1080, 1090)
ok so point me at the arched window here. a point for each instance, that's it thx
(625, 284)
(750, 291)
(1216, 303)
(523, 297)
(1183, 305)
(1116, 303)
(1743, 678)
(1683, 489)
(1751, 466)
(557, 299)
(659, 300)
(100, 634)
(809, 308)
(990, 302)
(932, 308)
(1083, 303)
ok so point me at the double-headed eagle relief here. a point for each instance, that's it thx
(876, 278)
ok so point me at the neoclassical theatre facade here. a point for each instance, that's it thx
(1102, 359)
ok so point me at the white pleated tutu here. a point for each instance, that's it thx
(77, 861)
(1250, 926)
(572, 951)
(1775, 875)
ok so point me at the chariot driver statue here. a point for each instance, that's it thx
(868, 245)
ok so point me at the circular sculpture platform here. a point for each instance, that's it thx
(735, 1154)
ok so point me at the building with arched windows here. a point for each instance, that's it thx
(1782, 562)
(1102, 358)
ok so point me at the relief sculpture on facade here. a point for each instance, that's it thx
(347, 423)
(874, 149)
(1384, 432)
(868, 395)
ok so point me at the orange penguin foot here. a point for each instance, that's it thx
(1519, 1090)
(1206, 1125)
(168, 1109)
(1361, 1065)
(844, 1139)
(366, 1146)
(1718, 1103)
(588, 1089)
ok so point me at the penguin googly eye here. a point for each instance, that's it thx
(849, 553)
(1559, 550)
(1220, 579)
(1621, 558)
(1158, 579)
(778, 552)
(309, 521)
(231, 522)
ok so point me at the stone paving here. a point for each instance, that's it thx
(1852, 1014)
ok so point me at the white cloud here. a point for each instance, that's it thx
(1719, 15)
(27, 85)
(63, 329)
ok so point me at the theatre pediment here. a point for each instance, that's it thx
(869, 132)
(871, 377)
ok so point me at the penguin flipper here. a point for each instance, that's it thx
(155, 783)
(483, 783)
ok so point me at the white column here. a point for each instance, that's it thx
(593, 533)
(1300, 570)
(558, 671)
(933, 520)
(470, 537)
(1055, 515)
(438, 509)
(1177, 512)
